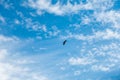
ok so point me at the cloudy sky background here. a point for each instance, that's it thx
(32, 32)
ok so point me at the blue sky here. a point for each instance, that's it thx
(32, 32)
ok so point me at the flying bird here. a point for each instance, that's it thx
(64, 42)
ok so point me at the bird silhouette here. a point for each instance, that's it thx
(64, 42)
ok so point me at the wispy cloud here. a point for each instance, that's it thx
(109, 17)
(6, 4)
(104, 57)
(17, 21)
(62, 9)
(12, 63)
(81, 61)
(97, 51)
(100, 68)
(108, 34)
(6, 39)
(2, 19)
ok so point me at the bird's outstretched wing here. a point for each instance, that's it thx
(64, 42)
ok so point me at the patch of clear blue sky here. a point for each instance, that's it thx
(116, 5)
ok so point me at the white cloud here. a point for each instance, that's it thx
(75, 26)
(17, 21)
(108, 34)
(17, 72)
(54, 31)
(101, 5)
(100, 68)
(109, 17)
(2, 19)
(110, 46)
(85, 20)
(44, 28)
(6, 39)
(99, 57)
(80, 61)
(13, 66)
(31, 25)
(6, 4)
(34, 26)
(102, 13)
(103, 67)
(61, 9)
